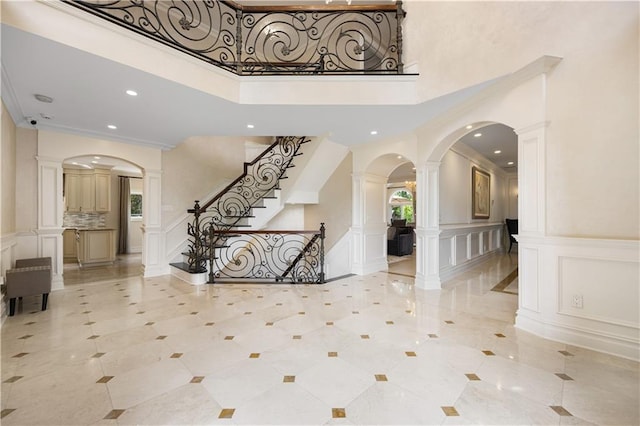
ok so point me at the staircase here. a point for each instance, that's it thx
(216, 222)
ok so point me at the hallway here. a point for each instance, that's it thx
(361, 350)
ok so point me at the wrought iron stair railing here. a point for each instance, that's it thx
(259, 40)
(216, 222)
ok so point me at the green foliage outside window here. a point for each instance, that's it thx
(136, 205)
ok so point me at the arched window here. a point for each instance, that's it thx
(401, 202)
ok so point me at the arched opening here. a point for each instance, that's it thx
(401, 218)
(102, 219)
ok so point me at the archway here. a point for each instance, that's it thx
(102, 198)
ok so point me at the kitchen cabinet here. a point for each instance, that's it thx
(87, 190)
(69, 245)
(96, 246)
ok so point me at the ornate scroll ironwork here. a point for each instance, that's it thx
(295, 256)
(262, 40)
(234, 205)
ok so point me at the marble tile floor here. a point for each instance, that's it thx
(125, 265)
(361, 350)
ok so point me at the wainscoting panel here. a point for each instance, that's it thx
(464, 246)
(583, 292)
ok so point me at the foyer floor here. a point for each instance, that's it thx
(361, 350)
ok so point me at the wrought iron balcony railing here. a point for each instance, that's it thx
(259, 40)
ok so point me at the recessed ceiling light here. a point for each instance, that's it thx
(510, 163)
(399, 157)
(96, 157)
(469, 127)
(132, 92)
(477, 135)
(250, 126)
(374, 132)
(497, 151)
(94, 162)
(112, 127)
(75, 163)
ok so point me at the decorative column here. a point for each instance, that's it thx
(531, 219)
(153, 245)
(428, 226)
(50, 216)
(369, 228)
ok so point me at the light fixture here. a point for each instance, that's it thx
(132, 92)
(250, 126)
(94, 162)
(112, 127)
(469, 127)
(75, 163)
(497, 151)
(477, 135)
(96, 157)
(510, 163)
(374, 132)
(399, 157)
(43, 98)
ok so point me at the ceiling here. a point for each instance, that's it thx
(493, 138)
(88, 94)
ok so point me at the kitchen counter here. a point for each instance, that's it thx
(94, 246)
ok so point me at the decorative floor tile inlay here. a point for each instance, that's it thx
(13, 379)
(301, 313)
(150, 323)
(389, 322)
(193, 313)
(432, 336)
(197, 379)
(472, 376)
(226, 413)
(176, 355)
(297, 337)
(329, 322)
(104, 379)
(209, 324)
(30, 323)
(565, 353)
(98, 355)
(289, 379)
(450, 411)
(364, 336)
(247, 313)
(4, 413)
(564, 376)
(93, 337)
(26, 336)
(449, 322)
(381, 378)
(113, 414)
(139, 312)
(228, 338)
(161, 337)
(410, 353)
(338, 413)
(254, 355)
(488, 353)
(269, 324)
(560, 410)
(500, 335)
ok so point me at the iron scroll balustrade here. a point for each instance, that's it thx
(295, 256)
(232, 207)
(259, 40)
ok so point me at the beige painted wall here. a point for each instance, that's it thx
(8, 161)
(335, 204)
(196, 167)
(26, 205)
(592, 150)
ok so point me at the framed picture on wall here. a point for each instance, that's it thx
(480, 194)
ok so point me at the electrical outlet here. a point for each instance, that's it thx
(576, 301)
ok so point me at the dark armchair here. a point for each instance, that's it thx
(30, 277)
(512, 229)
(399, 240)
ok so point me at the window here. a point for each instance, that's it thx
(402, 205)
(136, 205)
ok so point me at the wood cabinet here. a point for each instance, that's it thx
(96, 246)
(69, 245)
(87, 190)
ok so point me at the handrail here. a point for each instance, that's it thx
(265, 40)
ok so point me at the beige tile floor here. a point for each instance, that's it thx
(361, 350)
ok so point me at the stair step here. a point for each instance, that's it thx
(238, 217)
(183, 266)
